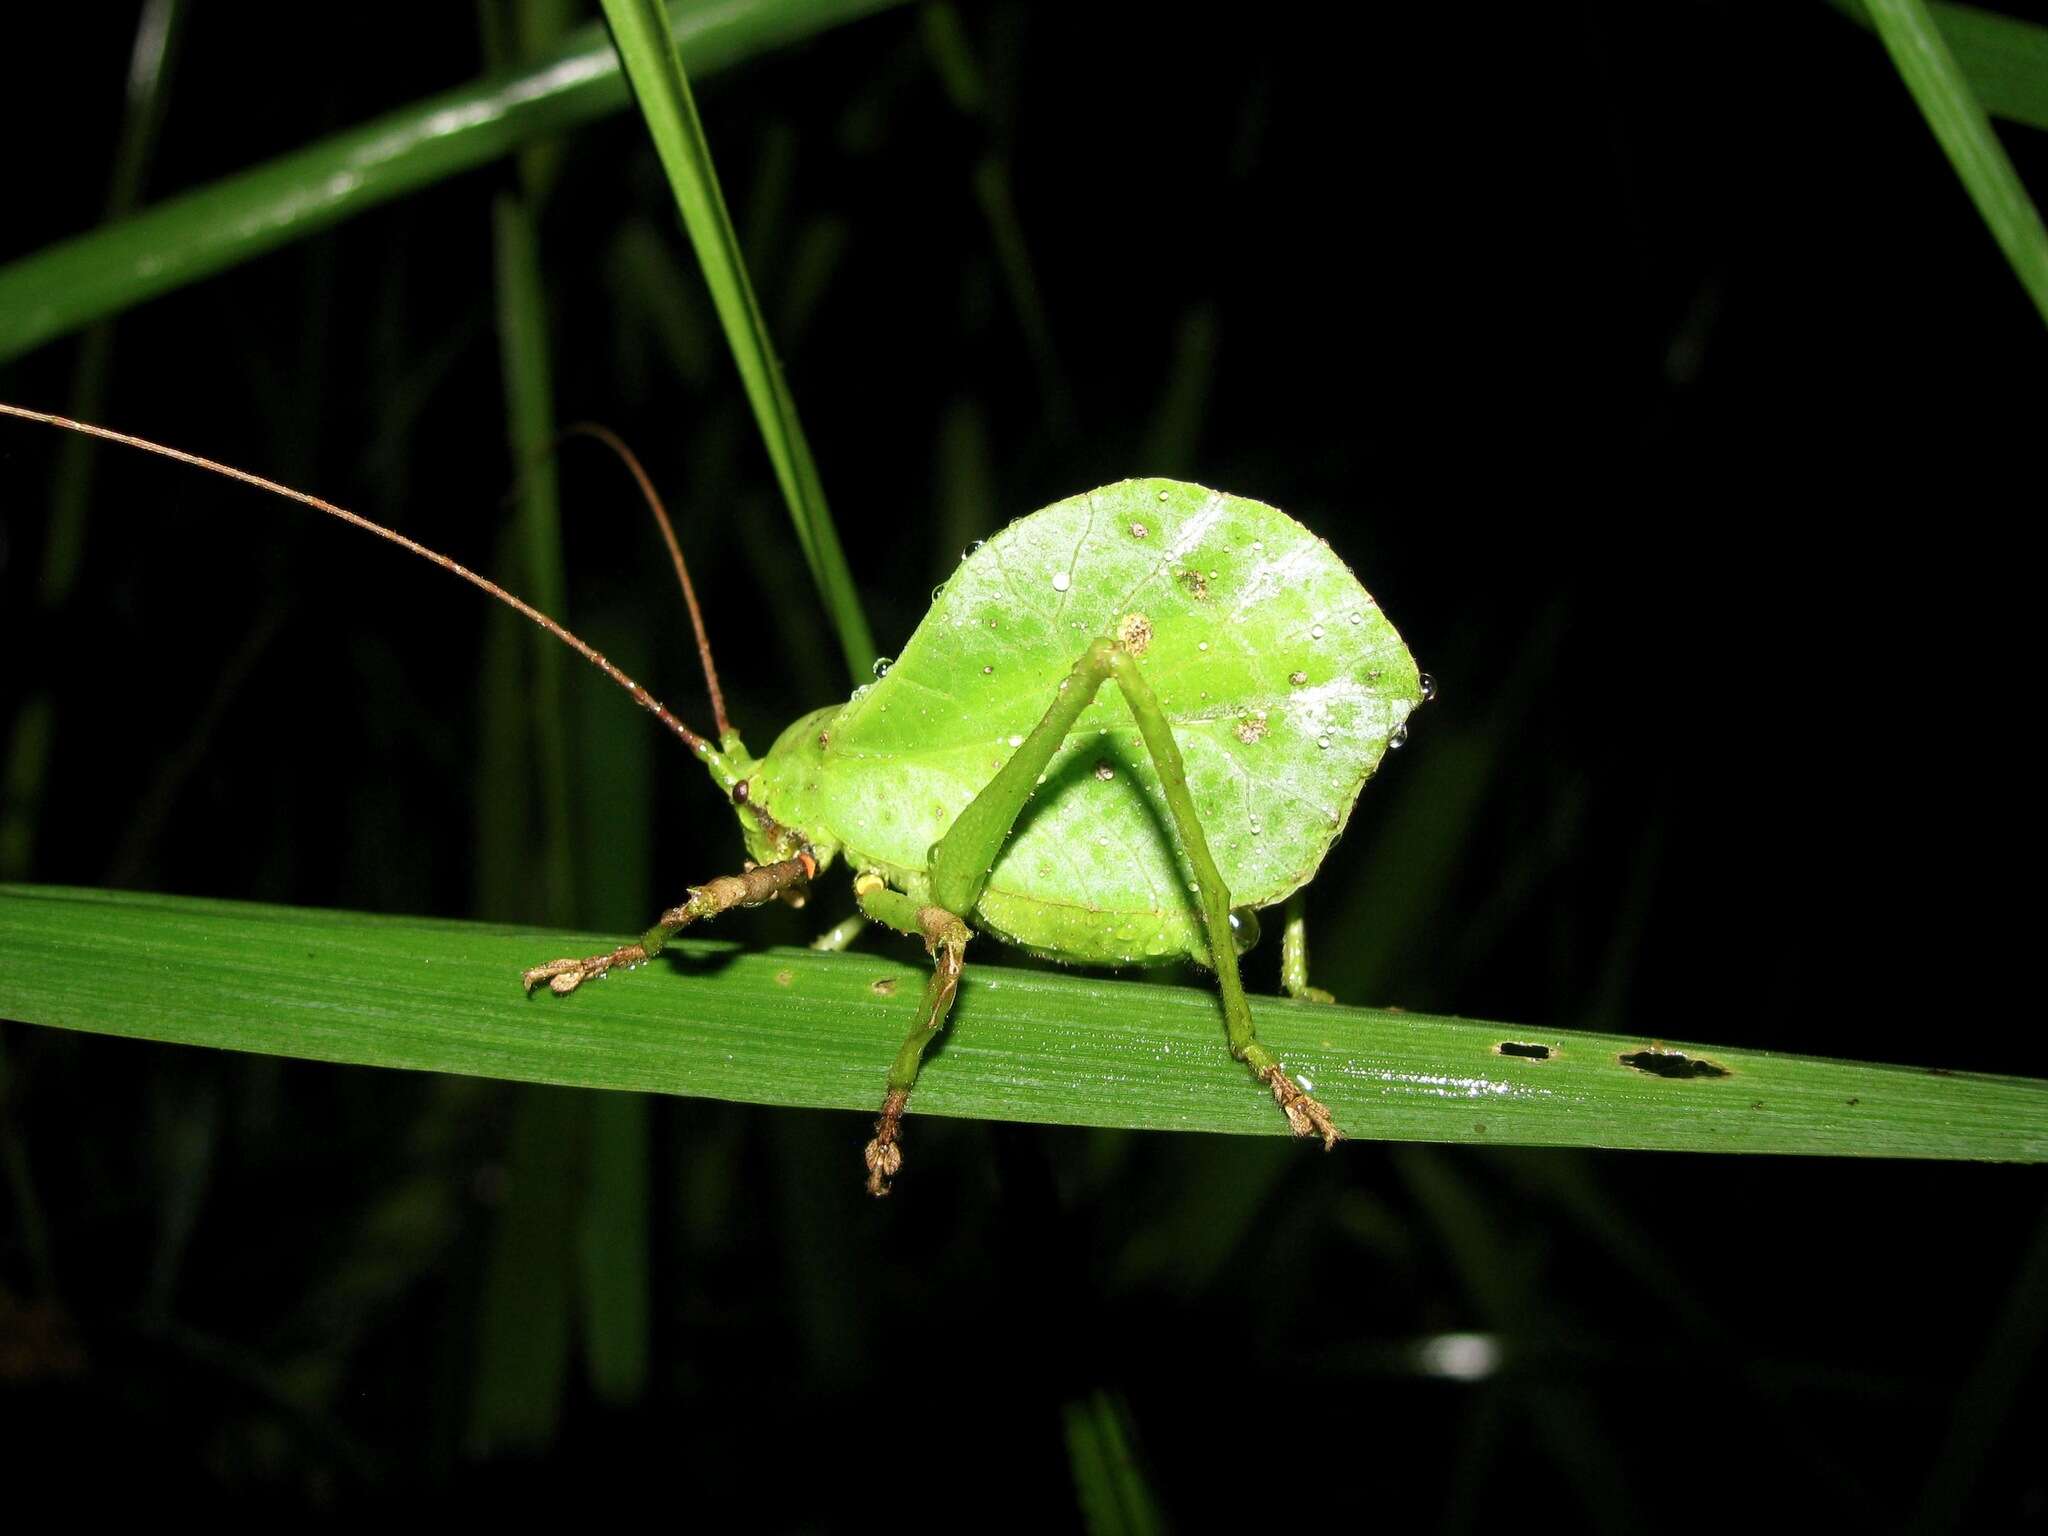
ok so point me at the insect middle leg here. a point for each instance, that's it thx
(762, 883)
(945, 937)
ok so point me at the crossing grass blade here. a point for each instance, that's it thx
(54, 291)
(2004, 59)
(794, 1027)
(1939, 86)
(654, 66)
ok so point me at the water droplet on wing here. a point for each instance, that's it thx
(1244, 928)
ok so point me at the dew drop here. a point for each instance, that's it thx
(1399, 739)
(968, 552)
(988, 671)
(1323, 742)
(1428, 687)
(1162, 495)
(938, 592)
(883, 664)
(1244, 928)
(1016, 741)
(1061, 581)
(1316, 633)
(1358, 618)
(1201, 645)
(1258, 543)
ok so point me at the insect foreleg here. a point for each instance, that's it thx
(945, 937)
(764, 882)
(963, 858)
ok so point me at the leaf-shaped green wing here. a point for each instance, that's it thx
(1284, 682)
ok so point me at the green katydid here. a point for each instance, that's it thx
(990, 781)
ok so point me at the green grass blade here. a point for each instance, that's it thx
(530, 431)
(27, 755)
(2004, 59)
(1952, 111)
(524, 1306)
(655, 67)
(796, 1027)
(615, 1247)
(1112, 1493)
(56, 290)
(526, 1302)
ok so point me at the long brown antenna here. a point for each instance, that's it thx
(641, 696)
(617, 445)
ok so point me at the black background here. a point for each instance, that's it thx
(1648, 363)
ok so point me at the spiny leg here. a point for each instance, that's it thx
(1294, 955)
(1304, 1114)
(761, 883)
(945, 939)
(963, 858)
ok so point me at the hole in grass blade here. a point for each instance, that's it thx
(1662, 1063)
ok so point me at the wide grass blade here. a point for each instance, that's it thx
(655, 67)
(796, 1027)
(64, 286)
(1937, 82)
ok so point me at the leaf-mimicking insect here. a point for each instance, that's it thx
(1128, 721)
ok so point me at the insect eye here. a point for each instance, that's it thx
(741, 793)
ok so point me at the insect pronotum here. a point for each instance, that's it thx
(1128, 720)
